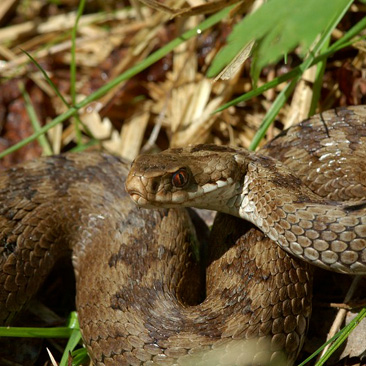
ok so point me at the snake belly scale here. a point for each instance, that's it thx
(133, 265)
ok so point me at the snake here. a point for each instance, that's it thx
(149, 291)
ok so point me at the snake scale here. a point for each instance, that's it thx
(138, 272)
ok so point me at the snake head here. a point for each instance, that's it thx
(202, 176)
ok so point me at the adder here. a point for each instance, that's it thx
(141, 296)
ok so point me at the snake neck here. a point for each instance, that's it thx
(326, 233)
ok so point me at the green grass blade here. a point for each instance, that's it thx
(314, 354)
(32, 332)
(45, 75)
(80, 357)
(73, 341)
(34, 121)
(78, 148)
(353, 32)
(318, 83)
(272, 113)
(73, 67)
(73, 51)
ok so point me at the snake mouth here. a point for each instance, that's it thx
(140, 200)
(137, 197)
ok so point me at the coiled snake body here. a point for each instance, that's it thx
(138, 283)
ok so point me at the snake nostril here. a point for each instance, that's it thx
(154, 185)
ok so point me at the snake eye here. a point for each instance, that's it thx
(180, 178)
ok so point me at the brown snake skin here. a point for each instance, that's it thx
(134, 266)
